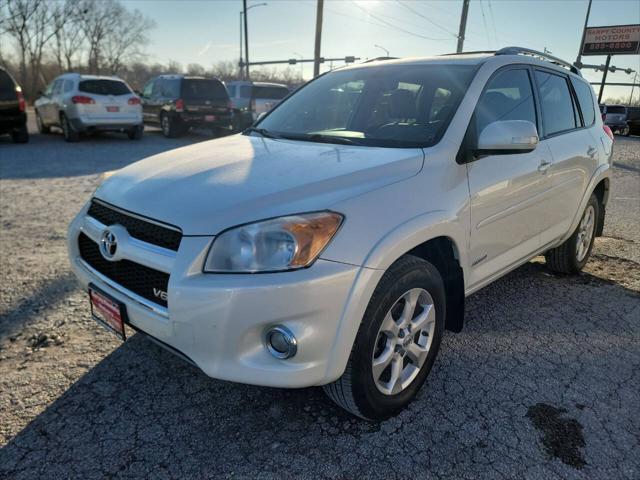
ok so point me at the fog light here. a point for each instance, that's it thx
(281, 342)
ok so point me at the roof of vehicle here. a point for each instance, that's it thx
(257, 84)
(178, 76)
(517, 54)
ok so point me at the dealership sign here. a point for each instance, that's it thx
(614, 40)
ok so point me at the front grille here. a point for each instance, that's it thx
(137, 228)
(132, 276)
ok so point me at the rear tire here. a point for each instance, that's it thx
(20, 135)
(170, 126)
(69, 133)
(385, 369)
(573, 254)
(42, 128)
(135, 133)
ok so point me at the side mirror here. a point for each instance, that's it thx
(507, 137)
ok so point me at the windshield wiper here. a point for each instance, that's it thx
(320, 138)
(260, 131)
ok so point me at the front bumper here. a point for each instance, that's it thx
(218, 321)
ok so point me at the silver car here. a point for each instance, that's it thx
(257, 97)
(86, 103)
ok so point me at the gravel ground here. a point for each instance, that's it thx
(542, 383)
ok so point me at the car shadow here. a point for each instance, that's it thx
(531, 336)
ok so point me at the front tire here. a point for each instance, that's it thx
(42, 128)
(396, 344)
(573, 254)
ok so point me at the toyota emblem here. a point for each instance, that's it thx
(108, 244)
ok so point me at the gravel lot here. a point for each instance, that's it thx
(542, 383)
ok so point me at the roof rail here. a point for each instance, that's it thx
(472, 52)
(542, 55)
(380, 59)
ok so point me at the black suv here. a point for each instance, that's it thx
(13, 116)
(178, 102)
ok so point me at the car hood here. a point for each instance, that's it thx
(207, 187)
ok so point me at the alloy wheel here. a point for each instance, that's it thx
(403, 341)
(585, 233)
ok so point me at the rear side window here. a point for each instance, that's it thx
(270, 93)
(508, 96)
(7, 87)
(203, 89)
(104, 87)
(245, 91)
(585, 99)
(558, 114)
(68, 86)
(170, 88)
(232, 90)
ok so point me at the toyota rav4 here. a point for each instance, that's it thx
(334, 242)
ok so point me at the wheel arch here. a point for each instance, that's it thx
(601, 191)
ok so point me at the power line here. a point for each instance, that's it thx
(397, 27)
(415, 12)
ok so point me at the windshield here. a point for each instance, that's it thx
(204, 89)
(104, 87)
(387, 106)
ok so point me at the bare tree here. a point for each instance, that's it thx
(196, 69)
(68, 37)
(125, 42)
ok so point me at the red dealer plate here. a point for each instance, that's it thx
(209, 118)
(113, 109)
(107, 311)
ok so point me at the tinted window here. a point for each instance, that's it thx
(68, 86)
(245, 91)
(232, 90)
(170, 88)
(203, 89)
(507, 96)
(558, 114)
(585, 99)
(104, 87)
(617, 110)
(389, 105)
(271, 93)
(7, 88)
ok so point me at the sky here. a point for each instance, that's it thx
(208, 31)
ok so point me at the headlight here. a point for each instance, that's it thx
(285, 243)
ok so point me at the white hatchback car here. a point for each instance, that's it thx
(86, 103)
(333, 243)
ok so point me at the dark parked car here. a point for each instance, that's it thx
(615, 117)
(13, 115)
(177, 103)
(633, 120)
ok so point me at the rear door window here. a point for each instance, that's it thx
(203, 89)
(170, 88)
(508, 96)
(104, 87)
(270, 93)
(558, 112)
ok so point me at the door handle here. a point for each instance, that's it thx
(592, 151)
(544, 166)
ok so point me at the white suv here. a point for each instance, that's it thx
(86, 103)
(335, 241)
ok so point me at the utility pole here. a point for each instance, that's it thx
(240, 64)
(463, 25)
(584, 32)
(633, 86)
(316, 51)
(246, 39)
(604, 77)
